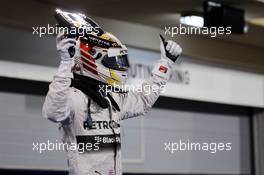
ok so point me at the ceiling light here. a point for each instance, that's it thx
(192, 18)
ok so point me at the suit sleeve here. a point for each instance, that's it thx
(136, 103)
(57, 106)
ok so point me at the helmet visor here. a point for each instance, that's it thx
(116, 58)
(119, 62)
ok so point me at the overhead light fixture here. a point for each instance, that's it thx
(261, 1)
(216, 15)
(222, 15)
(192, 18)
(257, 21)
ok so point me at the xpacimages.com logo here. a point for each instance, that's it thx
(187, 145)
(41, 31)
(147, 89)
(192, 30)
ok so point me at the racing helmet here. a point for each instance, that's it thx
(98, 54)
(103, 58)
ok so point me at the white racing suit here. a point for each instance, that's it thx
(68, 106)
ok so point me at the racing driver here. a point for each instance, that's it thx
(89, 116)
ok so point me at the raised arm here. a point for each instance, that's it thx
(57, 106)
(138, 103)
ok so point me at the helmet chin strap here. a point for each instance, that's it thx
(94, 89)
